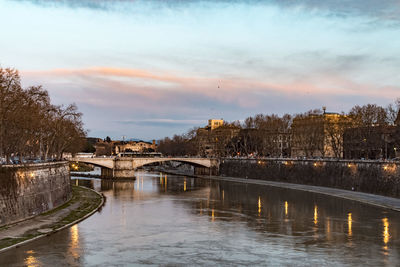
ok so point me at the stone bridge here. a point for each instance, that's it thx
(117, 167)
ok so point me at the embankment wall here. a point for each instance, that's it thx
(376, 177)
(28, 190)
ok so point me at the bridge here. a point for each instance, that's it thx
(123, 167)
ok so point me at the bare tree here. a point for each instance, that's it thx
(368, 115)
(30, 126)
(392, 111)
(335, 127)
(308, 134)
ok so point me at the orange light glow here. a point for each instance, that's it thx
(315, 215)
(350, 223)
(286, 208)
(386, 235)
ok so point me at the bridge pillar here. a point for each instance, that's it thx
(205, 171)
(123, 168)
(213, 170)
(106, 173)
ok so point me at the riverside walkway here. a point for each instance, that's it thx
(376, 200)
(84, 203)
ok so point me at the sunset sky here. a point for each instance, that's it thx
(149, 69)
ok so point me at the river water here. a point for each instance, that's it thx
(164, 219)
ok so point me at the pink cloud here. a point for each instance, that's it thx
(162, 85)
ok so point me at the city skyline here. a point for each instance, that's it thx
(167, 66)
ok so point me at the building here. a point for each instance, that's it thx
(103, 148)
(261, 143)
(373, 142)
(215, 123)
(133, 146)
(108, 148)
(318, 135)
(279, 144)
(213, 139)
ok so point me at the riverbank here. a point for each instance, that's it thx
(32, 189)
(90, 175)
(371, 199)
(84, 202)
(372, 177)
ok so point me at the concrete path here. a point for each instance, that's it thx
(376, 200)
(84, 202)
(42, 222)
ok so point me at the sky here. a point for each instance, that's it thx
(150, 69)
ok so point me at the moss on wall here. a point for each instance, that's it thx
(28, 190)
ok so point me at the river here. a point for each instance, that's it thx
(164, 219)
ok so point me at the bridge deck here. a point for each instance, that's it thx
(125, 163)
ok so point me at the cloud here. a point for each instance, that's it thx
(153, 103)
(388, 10)
(163, 87)
(163, 122)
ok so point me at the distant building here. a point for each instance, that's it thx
(104, 148)
(318, 135)
(279, 144)
(373, 142)
(262, 142)
(133, 146)
(215, 123)
(212, 140)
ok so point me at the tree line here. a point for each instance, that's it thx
(31, 127)
(267, 134)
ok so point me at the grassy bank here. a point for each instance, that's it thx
(83, 202)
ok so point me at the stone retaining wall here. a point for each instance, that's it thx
(28, 190)
(374, 177)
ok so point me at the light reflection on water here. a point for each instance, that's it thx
(286, 208)
(386, 235)
(30, 260)
(160, 219)
(74, 244)
(315, 215)
(349, 222)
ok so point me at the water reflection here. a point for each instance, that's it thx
(74, 248)
(315, 215)
(165, 183)
(286, 208)
(328, 229)
(386, 235)
(349, 223)
(175, 220)
(31, 260)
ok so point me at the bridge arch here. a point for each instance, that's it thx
(100, 162)
(124, 167)
(197, 162)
